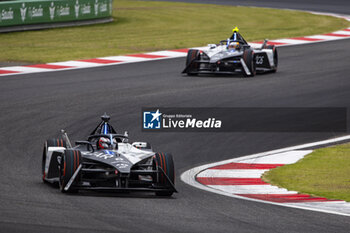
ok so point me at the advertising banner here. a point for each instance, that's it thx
(35, 12)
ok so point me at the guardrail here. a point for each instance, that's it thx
(28, 12)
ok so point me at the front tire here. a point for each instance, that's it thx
(166, 162)
(275, 57)
(70, 161)
(54, 142)
(191, 67)
(248, 58)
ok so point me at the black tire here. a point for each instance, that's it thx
(166, 162)
(249, 60)
(50, 142)
(70, 162)
(192, 68)
(275, 57)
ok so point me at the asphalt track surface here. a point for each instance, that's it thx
(36, 106)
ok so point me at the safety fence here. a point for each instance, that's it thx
(26, 12)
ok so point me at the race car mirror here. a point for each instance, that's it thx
(66, 138)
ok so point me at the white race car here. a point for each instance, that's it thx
(106, 161)
(231, 56)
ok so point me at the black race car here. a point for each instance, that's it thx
(106, 161)
(231, 56)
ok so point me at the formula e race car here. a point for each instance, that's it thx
(106, 161)
(231, 56)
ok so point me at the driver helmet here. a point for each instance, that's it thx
(105, 143)
(233, 45)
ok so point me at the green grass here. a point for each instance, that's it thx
(325, 172)
(141, 26)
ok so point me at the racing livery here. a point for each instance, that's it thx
(231, 56)
(106, 161)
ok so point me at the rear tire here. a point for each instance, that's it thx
(70, 161)
(192, 68)
(56, 142)
(166, 162)
(275, 56)
(248, 58)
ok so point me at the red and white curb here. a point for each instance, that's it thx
(95, 62)
(241, 178)
(132, 58)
